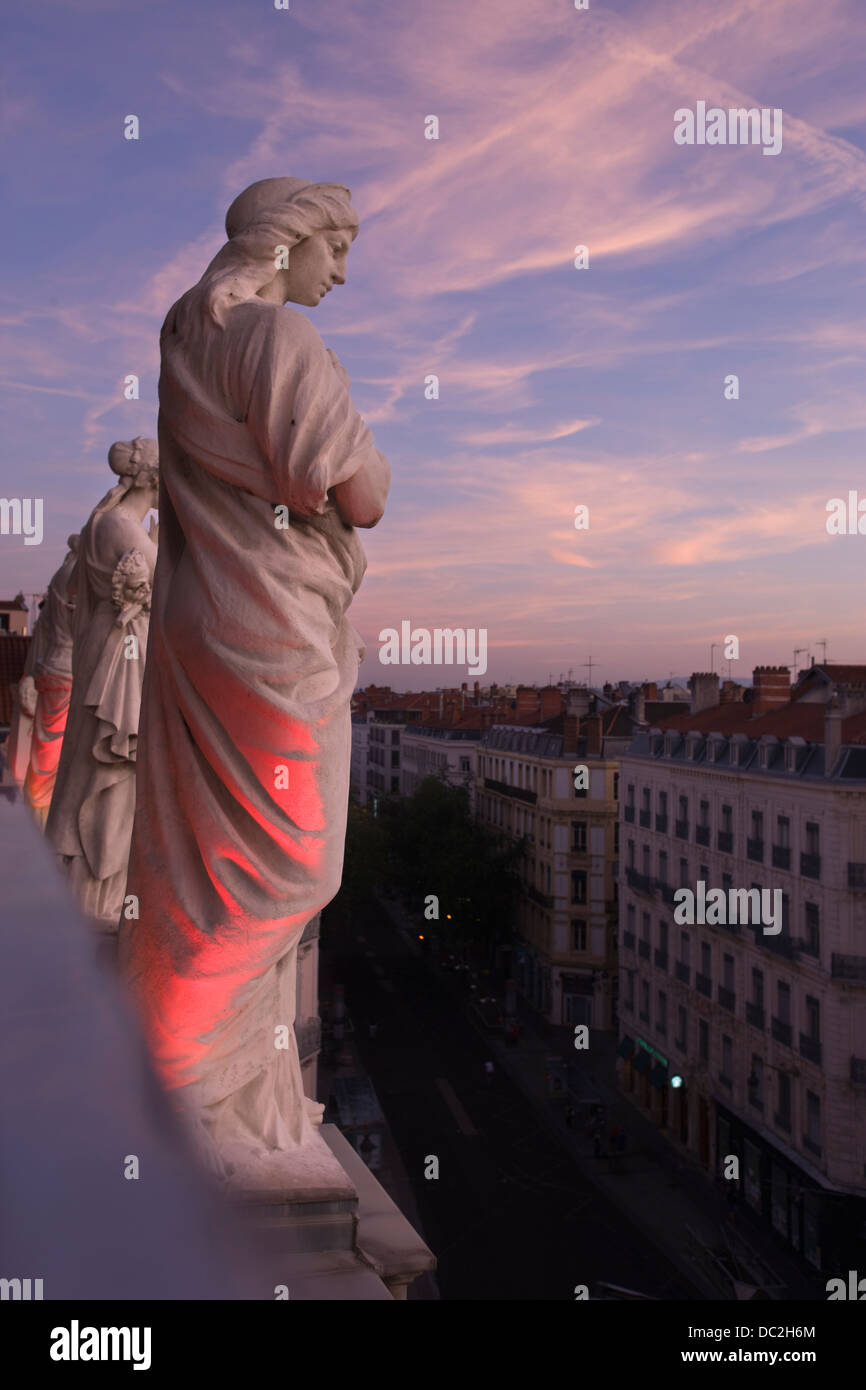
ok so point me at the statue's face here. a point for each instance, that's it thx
(145, 453)
(316, 264)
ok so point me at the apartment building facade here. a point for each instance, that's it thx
(445, 751)
(565, 961)
(735, 1040)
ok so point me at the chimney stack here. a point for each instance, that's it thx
(593, 735)
(832, 733)
(570, 735)
(771, 688)
(577, 702)
(703, 690)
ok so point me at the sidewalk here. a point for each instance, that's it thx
(661, 1189)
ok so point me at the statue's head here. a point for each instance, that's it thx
(288, 241)
(136, 461)
(72, 542)
(314, 224)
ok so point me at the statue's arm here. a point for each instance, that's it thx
(361, 499)
(301, 414)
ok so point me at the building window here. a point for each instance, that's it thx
(757, 825)
(663, 803)
(663, 866)
(758, 988)
(578, 830)
(756, 1082)
(682, 1027)
(684, 873)
(685, 947)
(783, 996)
(645, 926)
(663, 936)
(465, 765)
(727, 1073)
(644, 1000)
(616, 837)
(629, 992)
(704, 874)
(813, 838)
(629, 795)
(783, 832)
(813, 1122)
(578, 935)
(813, 1018)
(662, 1013)
(646, 800)
(704, 818)
(783, 1114)
(706, 960)
(629, 918)
(727, 820)
(631, 854)
(578, 886)
(812, 942)
(703, 1040)
(728, 972)
(616, 786)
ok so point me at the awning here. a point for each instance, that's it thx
(626, 1046)
(659, 1076)
(642, 1061)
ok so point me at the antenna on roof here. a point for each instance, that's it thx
(823, 645)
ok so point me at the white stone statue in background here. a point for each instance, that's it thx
(90, 821)
(52, 676)
(18, 744)
(266, 470)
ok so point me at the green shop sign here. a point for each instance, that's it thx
(653, 1051)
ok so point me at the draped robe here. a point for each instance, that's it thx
(53, 679)
(243, 768)
(90, 821)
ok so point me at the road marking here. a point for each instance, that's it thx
(464, 1124)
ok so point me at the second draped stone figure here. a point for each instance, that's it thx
(90, 821)
(243, 770)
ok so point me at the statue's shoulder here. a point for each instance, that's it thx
(275, 323)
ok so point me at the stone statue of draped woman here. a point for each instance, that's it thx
(90, 821)
(52, 671)
(266, 470)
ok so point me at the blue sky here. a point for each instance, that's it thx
(558, 386)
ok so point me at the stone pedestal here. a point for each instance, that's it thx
(322, 1203)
